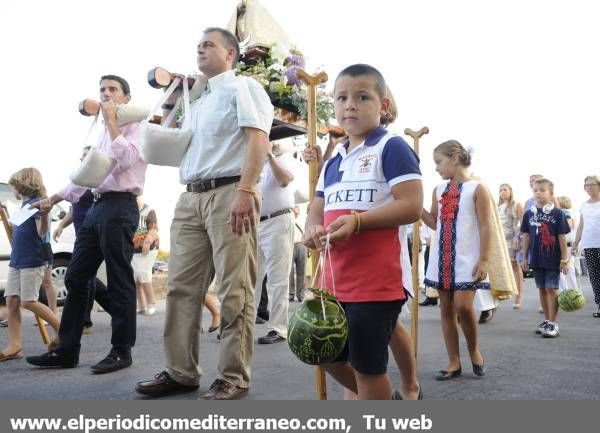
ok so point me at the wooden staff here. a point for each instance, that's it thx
(416, 242)
(8, 229)
(312, 81)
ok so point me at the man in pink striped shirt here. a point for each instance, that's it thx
(106, 234)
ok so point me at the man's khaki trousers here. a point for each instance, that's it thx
(202, 245)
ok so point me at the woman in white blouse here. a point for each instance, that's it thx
(588, 235)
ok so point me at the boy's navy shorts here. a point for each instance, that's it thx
(546, 278)
(370, 326)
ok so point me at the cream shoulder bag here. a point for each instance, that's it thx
(160, 144)
(94, 168)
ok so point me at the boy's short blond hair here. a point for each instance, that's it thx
(547, 182)
(28, 182)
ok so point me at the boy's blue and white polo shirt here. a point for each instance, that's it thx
(367, 266)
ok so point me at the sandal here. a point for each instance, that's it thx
(8, 356)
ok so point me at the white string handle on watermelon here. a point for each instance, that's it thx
(326, 257)
(319, 263)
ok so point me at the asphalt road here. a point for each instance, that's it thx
(520, 365)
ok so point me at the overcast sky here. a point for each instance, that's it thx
(515, 80)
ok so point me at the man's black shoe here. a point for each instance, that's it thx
(270, 338)
(113, 362)
(53, 359)
(428, 301)
(163, 384)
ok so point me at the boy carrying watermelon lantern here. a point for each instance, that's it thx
(366, 190)
(544, 228)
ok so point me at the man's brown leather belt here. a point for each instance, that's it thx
(206, 185)
(275, 214)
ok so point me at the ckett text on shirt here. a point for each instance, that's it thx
(352, 195)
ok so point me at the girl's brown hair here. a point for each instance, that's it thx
(452, 147)
(28, 182)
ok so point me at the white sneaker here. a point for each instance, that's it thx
(540, 328)
(149, 311)
(551, 330)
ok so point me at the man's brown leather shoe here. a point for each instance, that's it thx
(163, 384)
(223, 390)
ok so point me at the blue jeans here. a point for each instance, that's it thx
(546, 278)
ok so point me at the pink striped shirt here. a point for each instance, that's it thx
(129, 173)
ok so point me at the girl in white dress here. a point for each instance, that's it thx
(458, 261)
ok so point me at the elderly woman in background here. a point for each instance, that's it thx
(511, 214)
(588, 235)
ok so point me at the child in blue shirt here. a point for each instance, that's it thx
(544, 229)
(27, 263)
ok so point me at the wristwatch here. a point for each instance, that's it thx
(270, 156)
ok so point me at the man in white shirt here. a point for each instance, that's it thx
(276, 240)
(213, 232)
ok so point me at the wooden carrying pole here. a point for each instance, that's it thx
(312, 81)
(7, 228)
(416, 242)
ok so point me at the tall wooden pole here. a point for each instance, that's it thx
(312, 81)
(8, 229)
(416, 242)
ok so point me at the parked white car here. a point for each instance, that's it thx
(62, 250)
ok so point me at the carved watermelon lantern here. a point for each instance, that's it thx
(318, 329)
